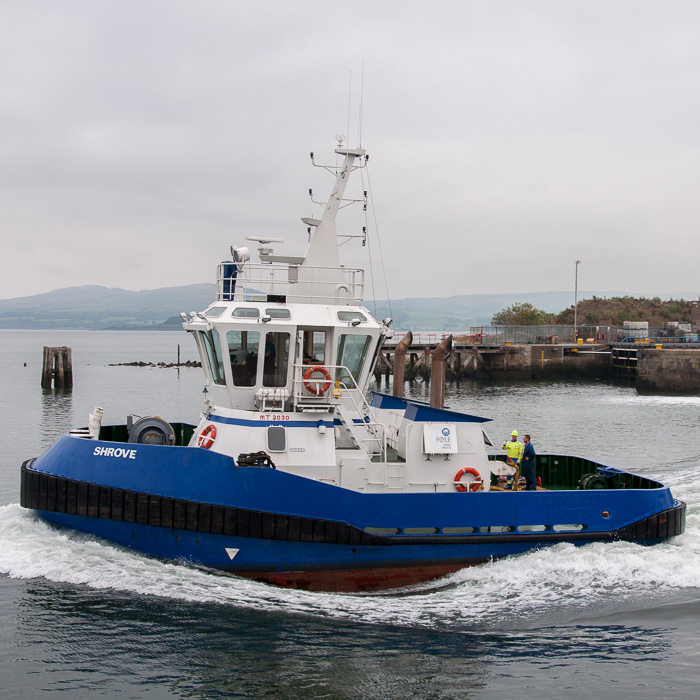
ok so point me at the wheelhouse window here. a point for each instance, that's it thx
(212, 346)
(314, 347)
(278, 313)
(245, 312)
(350, 316)
(352, 352)
(243, 348)
(215, 311)
(276, 359)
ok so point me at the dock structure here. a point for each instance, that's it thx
(472, 359)
(57, 369)
(654, 364)
(674, 371)
(659, 367)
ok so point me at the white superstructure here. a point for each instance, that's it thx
(288, 352)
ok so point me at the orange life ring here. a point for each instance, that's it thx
(478, 337)
(312, 386)
(474, 486)
(207, 437)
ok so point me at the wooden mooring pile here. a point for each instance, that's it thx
(57, 370)
(460, 362)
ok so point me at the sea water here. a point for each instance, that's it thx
(81, 616)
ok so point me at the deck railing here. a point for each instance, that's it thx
(270, 282)
(309, 393)
(538, 335)
(567, 472)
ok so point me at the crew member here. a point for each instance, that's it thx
(514, 448)
(529, 465)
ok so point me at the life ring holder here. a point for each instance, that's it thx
(313, 386)
(474, 486)
(207, 436)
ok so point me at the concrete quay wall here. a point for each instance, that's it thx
(668, 370)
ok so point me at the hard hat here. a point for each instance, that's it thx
(515, 432)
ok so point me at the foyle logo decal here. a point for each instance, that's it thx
(114, 452)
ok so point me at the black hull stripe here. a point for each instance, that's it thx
(56, 494)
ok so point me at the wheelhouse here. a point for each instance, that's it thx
(259, 356)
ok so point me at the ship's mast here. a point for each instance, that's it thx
(321, 271)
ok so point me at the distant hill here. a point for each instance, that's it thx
(95, 307)
(465, 310)
(615, 311)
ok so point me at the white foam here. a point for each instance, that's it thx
(559, 583)
(651, 401)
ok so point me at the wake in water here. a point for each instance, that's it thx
(556, 585)
(649, 400)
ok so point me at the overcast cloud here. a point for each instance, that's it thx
(508, 138)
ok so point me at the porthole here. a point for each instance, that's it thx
(276, 438)
(568, 527)
(383, 530)
(533, 528)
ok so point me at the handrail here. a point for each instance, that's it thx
(331, 398)
(551, 334)
(256, 281)
(690, 339)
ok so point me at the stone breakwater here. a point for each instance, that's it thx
(189, 363)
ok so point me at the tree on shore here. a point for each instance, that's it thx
(522, 315)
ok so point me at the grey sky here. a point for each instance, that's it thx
(139, 139)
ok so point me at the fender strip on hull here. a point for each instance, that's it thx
(50, 493)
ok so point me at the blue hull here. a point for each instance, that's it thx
(196, 505)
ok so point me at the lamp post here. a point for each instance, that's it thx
(578, 262)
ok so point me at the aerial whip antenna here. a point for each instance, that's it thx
(362, 95)
(349, 103)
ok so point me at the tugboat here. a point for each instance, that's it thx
(296, 475)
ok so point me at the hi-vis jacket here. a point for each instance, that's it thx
(514, 449)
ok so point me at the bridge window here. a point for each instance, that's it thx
(352, 351)
(314, 346)
(278, 313)
(213, 353)
(243, 355)
(350, 316)
(245, 312)
(276, 359)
